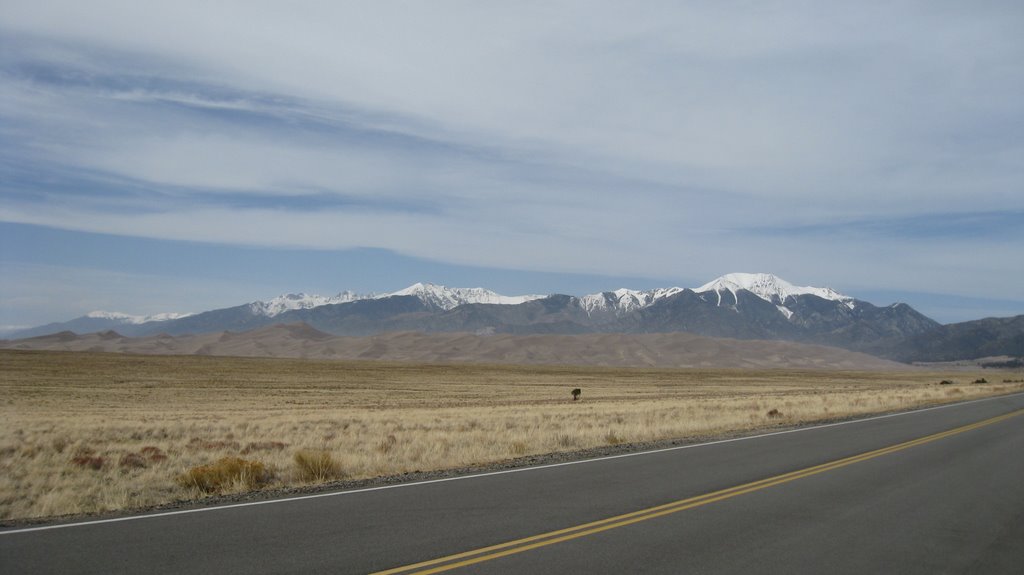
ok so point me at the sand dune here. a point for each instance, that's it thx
(626, 350)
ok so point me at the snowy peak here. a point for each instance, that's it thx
(134, 319)
(441, 297)
(432, 295)
(292, 301)
(769, 287)
(623, 301)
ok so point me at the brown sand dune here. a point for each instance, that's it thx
(622, 350)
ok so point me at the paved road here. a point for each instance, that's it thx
(851, 498)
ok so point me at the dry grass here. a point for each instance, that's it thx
(92, 432)
(315, 466)
(226, 474)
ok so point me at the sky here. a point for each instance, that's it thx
(185, 156)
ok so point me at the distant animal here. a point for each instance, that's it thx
(576, 393)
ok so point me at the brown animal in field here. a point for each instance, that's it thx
(576, 393)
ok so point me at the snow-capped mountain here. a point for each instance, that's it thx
(432, 295)
(769, 288)
(622, 301)
(288, 302)
(441, 297)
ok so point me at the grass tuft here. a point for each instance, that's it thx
(225, 473)
(611, 439)
(263, 446)
(316, 466)
(566, 440)
(387, 444)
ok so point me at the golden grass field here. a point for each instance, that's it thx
(91, 432)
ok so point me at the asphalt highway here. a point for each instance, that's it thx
(932, 491)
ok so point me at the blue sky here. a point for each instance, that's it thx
(183, 157)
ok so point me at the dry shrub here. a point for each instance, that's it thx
(89, 461)
(154, 454)
(263, 446)
(132, 461)
(316, 466)
(226, 472)
(774, 414)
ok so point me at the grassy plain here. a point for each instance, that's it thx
(89, 432)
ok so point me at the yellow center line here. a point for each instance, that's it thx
(450, 562)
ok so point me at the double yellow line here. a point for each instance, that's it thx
(544, 539)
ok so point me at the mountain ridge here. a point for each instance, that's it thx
(444, 298)
(739, 305)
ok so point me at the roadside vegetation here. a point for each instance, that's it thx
(90, 432)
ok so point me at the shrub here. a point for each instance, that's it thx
(153, 453)
(90, 461)
(316, 466)
(774, 414)
(982, 380)
(132, 461)
(226, 472)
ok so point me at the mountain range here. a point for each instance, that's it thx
(739, 306)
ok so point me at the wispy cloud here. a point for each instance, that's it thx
(951, 227)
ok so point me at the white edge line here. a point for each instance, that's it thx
(490, 473)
